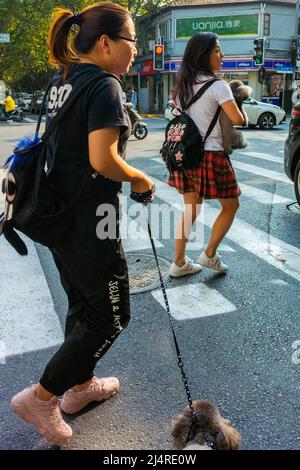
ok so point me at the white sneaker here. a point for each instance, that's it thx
(188, 268)
(213, 263)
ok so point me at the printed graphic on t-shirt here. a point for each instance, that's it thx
(57, 97)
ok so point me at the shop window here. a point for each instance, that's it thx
(163, 29)
(267, 21)
(169, 29)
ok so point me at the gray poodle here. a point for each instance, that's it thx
(233, 138)
(209, 427)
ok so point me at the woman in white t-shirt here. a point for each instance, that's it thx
(214, 176)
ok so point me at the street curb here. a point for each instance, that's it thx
(157, 116)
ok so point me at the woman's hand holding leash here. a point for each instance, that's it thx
(142, 190)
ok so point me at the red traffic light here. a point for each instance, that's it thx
(159, 49)
(158, 56)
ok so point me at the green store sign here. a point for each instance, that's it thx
(235, 25)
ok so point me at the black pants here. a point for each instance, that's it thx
(94, 275)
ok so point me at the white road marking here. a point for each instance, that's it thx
(134, 236)
(257, 170)
(28, 321)
(262, 156)
(279, 282)
(259, 195)
(194, 301)
(195, 246)
(254, 240)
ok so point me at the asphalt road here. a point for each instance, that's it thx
(238, 333)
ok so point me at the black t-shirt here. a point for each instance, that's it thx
(100, 106)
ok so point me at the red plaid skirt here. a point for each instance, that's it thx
(214, 178)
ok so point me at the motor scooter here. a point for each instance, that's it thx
(16, 115)
(139, 128)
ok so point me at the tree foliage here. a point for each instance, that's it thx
(24, 62)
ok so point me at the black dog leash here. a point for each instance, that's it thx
(145, 198)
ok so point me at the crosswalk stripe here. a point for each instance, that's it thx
(254, 240)
(275, 175)
(262, 156)
(26, 303)
(259, 195)
(134, 237)
(194, 301)
(195, 246)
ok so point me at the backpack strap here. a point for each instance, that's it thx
(201, 92)
(212, 124)
(56, 120)
(216, 116)
(37, 130)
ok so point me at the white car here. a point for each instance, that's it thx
(260, 114)
(264, 115)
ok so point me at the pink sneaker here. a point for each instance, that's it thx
(98, 390)
(44, 415)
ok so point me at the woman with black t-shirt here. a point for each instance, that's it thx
(86, 156)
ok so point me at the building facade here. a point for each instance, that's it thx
(237, 24)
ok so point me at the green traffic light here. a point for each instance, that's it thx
(258, 58)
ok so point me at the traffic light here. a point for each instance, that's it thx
(261, 74)
(259, 51)
(294, 52)
(158, 57)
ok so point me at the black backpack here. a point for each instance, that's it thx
(32, 206)
(183, 147)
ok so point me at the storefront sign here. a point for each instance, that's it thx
(244, 64)
(283, 65)
(284, 69)
(234, 25)
(147, 68)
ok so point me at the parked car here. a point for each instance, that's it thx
(264, 115)
(37, 101)
(292, 150)
(23, 100)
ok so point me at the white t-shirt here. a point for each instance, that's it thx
(203, 111)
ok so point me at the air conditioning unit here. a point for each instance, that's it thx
(141, 50)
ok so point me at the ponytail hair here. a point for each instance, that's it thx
(93, 21)
(61, 52)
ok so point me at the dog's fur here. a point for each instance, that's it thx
(233, 138)
(210, 423)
